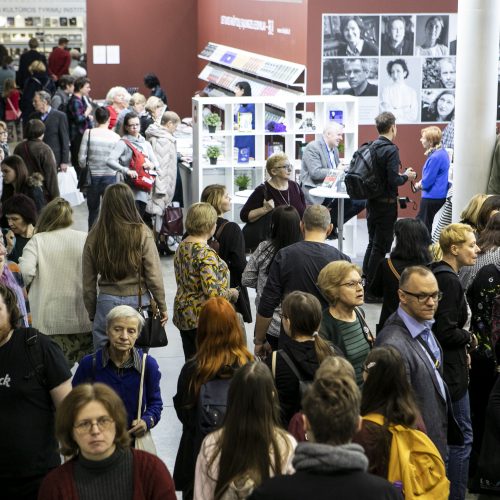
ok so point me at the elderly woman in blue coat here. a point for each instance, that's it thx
(119, 364)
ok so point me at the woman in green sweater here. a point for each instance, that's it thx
(343, 323)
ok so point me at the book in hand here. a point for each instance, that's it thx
(330, 180)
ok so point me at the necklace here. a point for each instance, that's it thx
(286, 200)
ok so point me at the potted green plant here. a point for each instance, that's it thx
(242, 181)
(212, 121)
(213, 153)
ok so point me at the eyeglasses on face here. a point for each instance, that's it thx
(354, 283)
(424, 297)
(287, 167)
(85, 426)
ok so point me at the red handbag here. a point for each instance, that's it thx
(144, 180)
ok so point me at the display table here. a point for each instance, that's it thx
(332, 193)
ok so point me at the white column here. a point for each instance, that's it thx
(475, 98)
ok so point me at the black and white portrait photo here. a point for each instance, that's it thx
(351, 35)
(439, 73)
(398, 79)
(438, 105)
(356, 76)
(432, 36)
(398, 34)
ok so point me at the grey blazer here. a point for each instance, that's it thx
(422, 378)
(315, 167)
(56, 134)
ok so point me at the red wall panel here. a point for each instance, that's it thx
(154, 36)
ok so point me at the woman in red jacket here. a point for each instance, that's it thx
(91, 426)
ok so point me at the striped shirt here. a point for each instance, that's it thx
(349, 337)
(102, 142)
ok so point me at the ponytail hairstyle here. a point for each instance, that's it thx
(303, 311)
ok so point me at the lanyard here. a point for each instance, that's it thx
(333, 165)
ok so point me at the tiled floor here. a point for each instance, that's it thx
(171, 359)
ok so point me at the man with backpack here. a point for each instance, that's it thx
(409, 330)
(382, 206)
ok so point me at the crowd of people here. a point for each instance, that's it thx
(323, 403)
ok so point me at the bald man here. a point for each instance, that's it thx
(320, 157)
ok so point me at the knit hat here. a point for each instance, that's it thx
(22, 205)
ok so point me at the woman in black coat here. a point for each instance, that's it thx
(411, 249)
(38, 80)
(231, 245)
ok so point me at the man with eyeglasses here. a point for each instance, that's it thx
(357, 72)
(319, 159)
(458, 243)
(409, 330)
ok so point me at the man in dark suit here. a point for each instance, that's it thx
(56, 128)
(409, 330)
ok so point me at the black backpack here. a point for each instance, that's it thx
(361, 179)
(211, 409)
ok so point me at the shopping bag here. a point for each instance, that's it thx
(68, 187)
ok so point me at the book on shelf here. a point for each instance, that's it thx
(274, 147)
(245, 122)
(243, 155)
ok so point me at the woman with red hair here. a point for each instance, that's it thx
(221, 350)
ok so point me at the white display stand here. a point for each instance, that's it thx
(319, 112)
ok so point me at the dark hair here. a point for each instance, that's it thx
(433, 105)
(491, 203)
(401, 62)
(65, 81)
(101, 115)
(489, 239)
(331, 404)
(252, 421)
(34, 129)
(21, 205)
(80, 396)
(10, 300)
(16, 163)
(245, 86)
(62, 40)
(395, 18)
(344, 21)
(129, 116)
(33, 43)
(384, 121)
(303, 310)
(412, 241)
(285, 230)
(151, 81)
(80, 83)
(386, 389)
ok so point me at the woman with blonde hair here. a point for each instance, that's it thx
(434, 183)
(120, 257)
(470, 213)
(231, 244)
(343, 322)
(199, 273)
(38, 80)
(56, 297)
(154, 108)
(221, 350)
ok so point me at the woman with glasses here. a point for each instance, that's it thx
(91, 427)
(122, 154)
(278, 190)
(119, 365)
(343, 322)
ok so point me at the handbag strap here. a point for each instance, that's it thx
(364, 326)
(139, 291)
(17, 112)
(221, 228)
(141, 386)
(87, 155)
(392, 268)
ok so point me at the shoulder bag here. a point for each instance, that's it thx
(153, 334)
(258, 231)
(144, 442)
(144, 180)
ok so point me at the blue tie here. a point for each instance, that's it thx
(431, 343)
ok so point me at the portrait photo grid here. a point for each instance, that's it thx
(402, 63)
